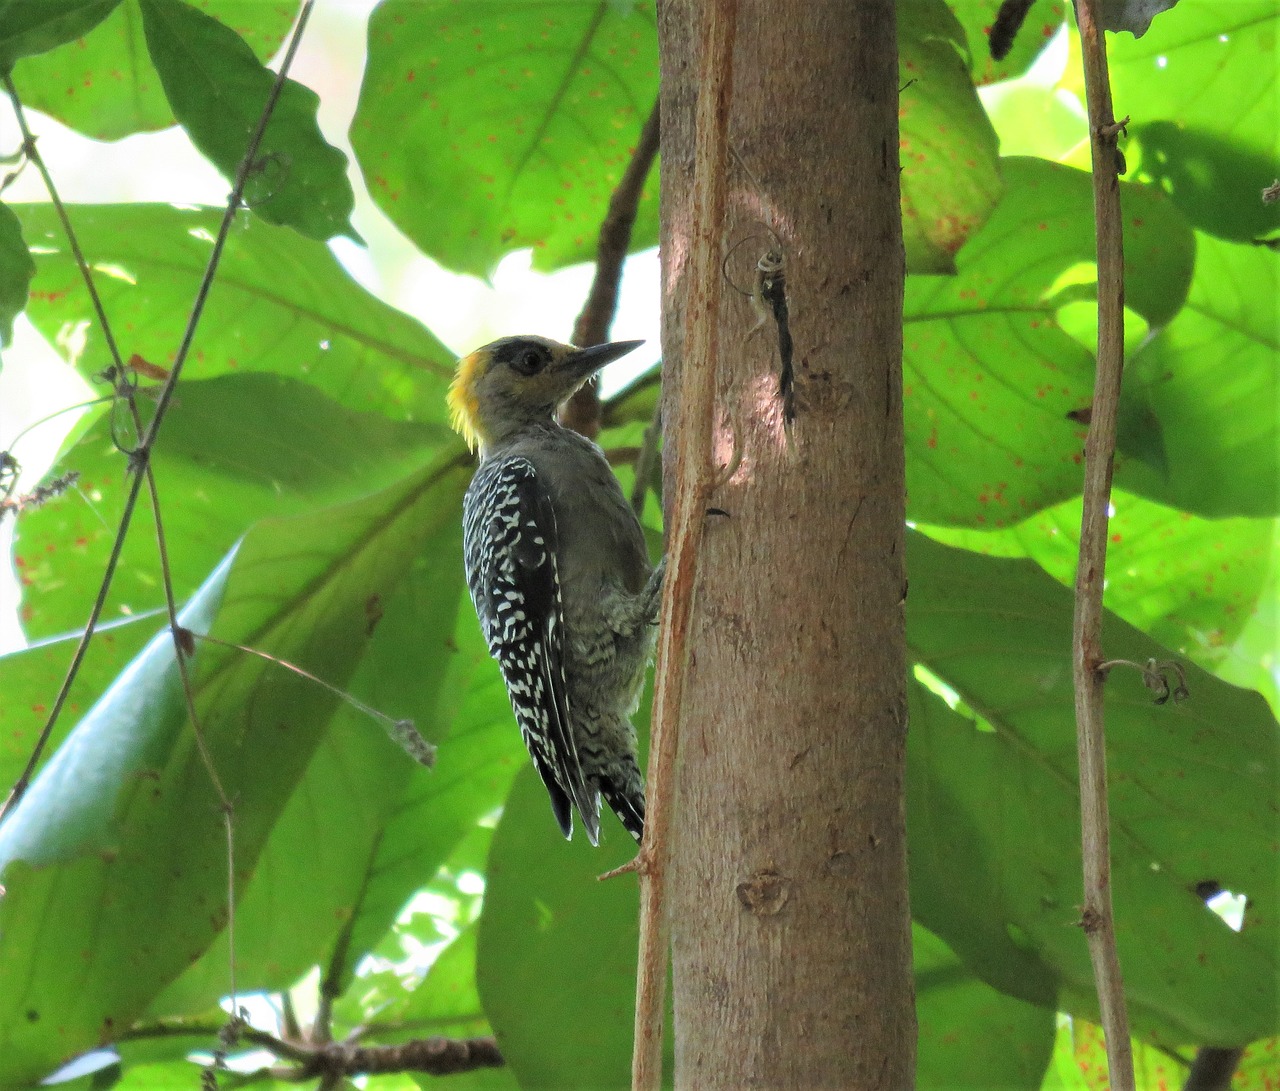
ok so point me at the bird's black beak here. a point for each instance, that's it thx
(583, 363)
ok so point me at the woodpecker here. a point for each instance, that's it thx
(559, 574)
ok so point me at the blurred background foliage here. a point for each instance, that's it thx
(311, 496)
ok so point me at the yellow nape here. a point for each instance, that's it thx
(464, 402)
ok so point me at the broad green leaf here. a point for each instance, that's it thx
(1206, 75)
(312, 877)
(233, 450)
(477, 761)
(1080, 1062)
(104, 84)
(550, 930)
(444, 1002)
(1209, 385)
(30, 678)
(1151, 1067)
(993, 816)
(16, 271)
(1190, 583)
(281, 303)
(1036, 120)
(448, 992)
(27, 28)
(977, 16)
(484, 127)
(1215, 183)
(990, 375)
(117, 852)
(947, 148)
(218, 90)
(67, 832)
(972, 1037)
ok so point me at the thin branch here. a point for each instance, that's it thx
(1096, 915)
(34, 157)
(582, 413)
(434, 1056)
(1213, 1069)
(647, 461)
(689, 456)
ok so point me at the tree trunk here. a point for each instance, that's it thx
(787, 889)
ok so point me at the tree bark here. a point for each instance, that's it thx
(787, 890)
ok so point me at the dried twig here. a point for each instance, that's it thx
(1096, 915)
(308, 1060)
(582, 413)
(689, 451)
(647, 461)
(38, 496)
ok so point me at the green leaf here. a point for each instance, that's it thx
(971, 1036)
(16, 271)
(989, 374)
(549, 929)
(218, 90)
(444, 1002)
(1215, 183)
(449, 991)
(281, 304)
(977, 16)
(1192, 584)
(233, 450)
(947, 147)
(311, 883)
(477, 761)
(484, 127)
(1210, 381)
(104, 84)
(993, 815)
(1202, 84)
(126, 810)
(27, 28)
(30, 678)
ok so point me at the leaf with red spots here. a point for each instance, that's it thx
(1042, 22)
(218, 89)
(1194, 584)
(487, 127)
(993, 815)
(104, 84)
(236, 449)
(281, 304)
(1210, 382)
(989, 374)
(948, 152)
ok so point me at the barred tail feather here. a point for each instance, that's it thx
(628, 806)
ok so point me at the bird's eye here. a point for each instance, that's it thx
(529, 361)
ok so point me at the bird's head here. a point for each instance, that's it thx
(516, 381)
